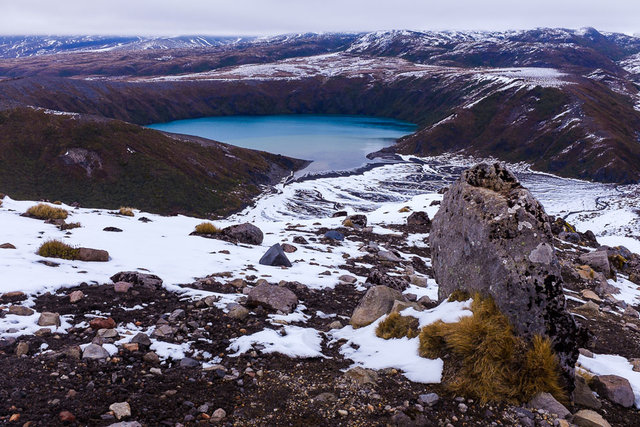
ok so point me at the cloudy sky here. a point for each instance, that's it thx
(265, 17)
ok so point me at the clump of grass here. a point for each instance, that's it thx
(57, 202)
(70, 226)
(44, 211)
(397, 326)
(491, 363)
(207, 228)
(57, 249)
(404, 209)
(347, 223)
(618, 261)
(126, 211)
(459, 295)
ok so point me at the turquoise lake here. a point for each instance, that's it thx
(333, 143)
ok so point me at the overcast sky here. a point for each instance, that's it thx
(266, 17)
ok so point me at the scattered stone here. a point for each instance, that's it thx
(377, 302)
(288, 248)
(336, 324)
(149, 281)
(20, 310)
(73, 352)
(379, 277)
(590, 295)
(272, 297)
(362, 376)
(631, 312)
(107, 333)
(244, 233)
(425, 301)
(462, 407)
(163, 331)
(636, 364)
(22, 348)
(75, 296)
(418, 280)
(120, 409)
(142, 339)
(345, 278)
(419, 219)
(389, 256)
(589, 307)
(359, 221)
(598, 260)
(547, 402)
(339, 214)
(300, 240)
(102, 323)
(112, 229)
(131, 346)
(325, 397)
(122, 287)
(488, 219)
(614, 388)
(429, 399)
(151, 357)
(398, 306)
(188, 362)
(582, 394)
(7, 246)
(49, 319)
(236, 311)
(92, 255)
(94, 352)
(218, 415)
(275, 256)
(66, 417)
(589, 418)
(15, 296)
(334, 235)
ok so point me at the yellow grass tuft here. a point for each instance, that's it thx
(490, 363)
(57, 249)
(404, 209)
(459, 295)
(347, 223)
(44, 211)
(397, 326)
(70, 226)
(207, 228)
(126, 211)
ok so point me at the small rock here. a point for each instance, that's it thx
(429, 399)
(102, 323)
(399, 305)
(94, 352)
(275, 256)
(13, 296)
(598, 260)
(389, 256)
(149, 281)
(238, 312)
(359, 220)
(636, 364)
(589, 308)
(20, 310)
(112, 229)
(376, 302)
(238, 283)
(75, 296)
(462, 407)
(49, 319)
(89, 255)
(589, 418)
(272, 297)
(418, 280)
(547, 402)
(107, 333)
(345, 278)
(362, 376)
(631, 312)
(7, 246)
(300, 240)
(419, 219)
(425, 301)
(334, 235)
(218, 415)
(590, 295)
(582, 394)
(244, 233)
(336, 324)
(188, 362)
(122, 287)
(141, 339)
(73, 352)
(66, 417)
(339, 214)
(131, 346)
(120, 409)
(614, 388)
(288, 248)
(22, 348)
(342, 412)
(325, 397)
(151, 357)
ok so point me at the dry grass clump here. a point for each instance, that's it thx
(126, 211)
(347, 223)
(44, 211)
(397, 326)
(70, 226)
(404, 209)
(57, 249)
(459, 295)
(207, 228)
(490, 362)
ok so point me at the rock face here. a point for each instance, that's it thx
(244, 233)
(273, 297)
(491, 235)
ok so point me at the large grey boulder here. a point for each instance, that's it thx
(614, 388)
(377, 302)
(272, 297)
(598, 260)
(491, 235)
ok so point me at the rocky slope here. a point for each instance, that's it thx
(101, 162)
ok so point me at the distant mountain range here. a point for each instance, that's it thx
(564, 101)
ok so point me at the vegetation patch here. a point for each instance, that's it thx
(70, 226)
(397, 326)
(487, 361)
(207, 228)
(126, 211)
(347, 223)
(44, 211)
(57, 249)
(459, 295)
(404, 209)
